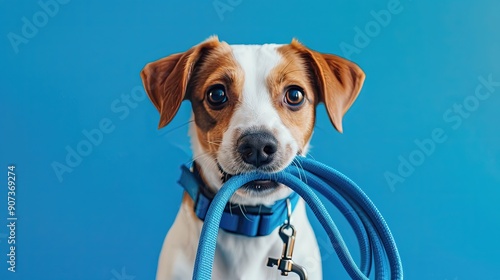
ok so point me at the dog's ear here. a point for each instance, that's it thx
(338, 81)
(166, 80)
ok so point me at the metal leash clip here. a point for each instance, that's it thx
(287, 233)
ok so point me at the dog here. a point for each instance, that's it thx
(253, 109)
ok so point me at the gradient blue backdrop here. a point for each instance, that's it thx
(107, 218)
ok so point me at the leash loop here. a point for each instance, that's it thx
(370, 227)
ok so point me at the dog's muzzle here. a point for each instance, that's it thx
(255, 186)
(257, 148)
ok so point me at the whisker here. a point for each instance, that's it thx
(242, 208)
(298, 169)
(216, 143)
(301, 168)
(175, 128)
(311, 155)
(281, 74)
(198, 157)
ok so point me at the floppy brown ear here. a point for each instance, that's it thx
(166, 80)
(339, 81)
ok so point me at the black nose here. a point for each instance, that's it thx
(257, 148)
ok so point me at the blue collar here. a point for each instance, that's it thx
(257, 220)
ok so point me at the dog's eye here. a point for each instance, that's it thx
(294, 97)
(216, 96)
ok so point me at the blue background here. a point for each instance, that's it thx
(107, 218)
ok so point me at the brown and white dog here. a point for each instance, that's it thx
(253, 109)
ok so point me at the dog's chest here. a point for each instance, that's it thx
(237, 256)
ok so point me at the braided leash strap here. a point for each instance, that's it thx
(376, 243)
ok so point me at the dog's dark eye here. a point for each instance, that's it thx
(294, 97)
(216, 96)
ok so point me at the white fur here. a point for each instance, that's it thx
(256, 112)
(240, 257)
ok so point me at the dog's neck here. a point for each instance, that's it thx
(244, 220)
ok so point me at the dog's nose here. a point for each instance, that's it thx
(257, 148)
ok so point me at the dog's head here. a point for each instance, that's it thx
(253, 105)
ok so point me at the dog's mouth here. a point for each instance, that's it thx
(258, 186)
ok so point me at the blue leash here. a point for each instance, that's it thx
(370, 228)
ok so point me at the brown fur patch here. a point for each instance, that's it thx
(217, 67)
(166, 80)
(338, 81)
(292, 71)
